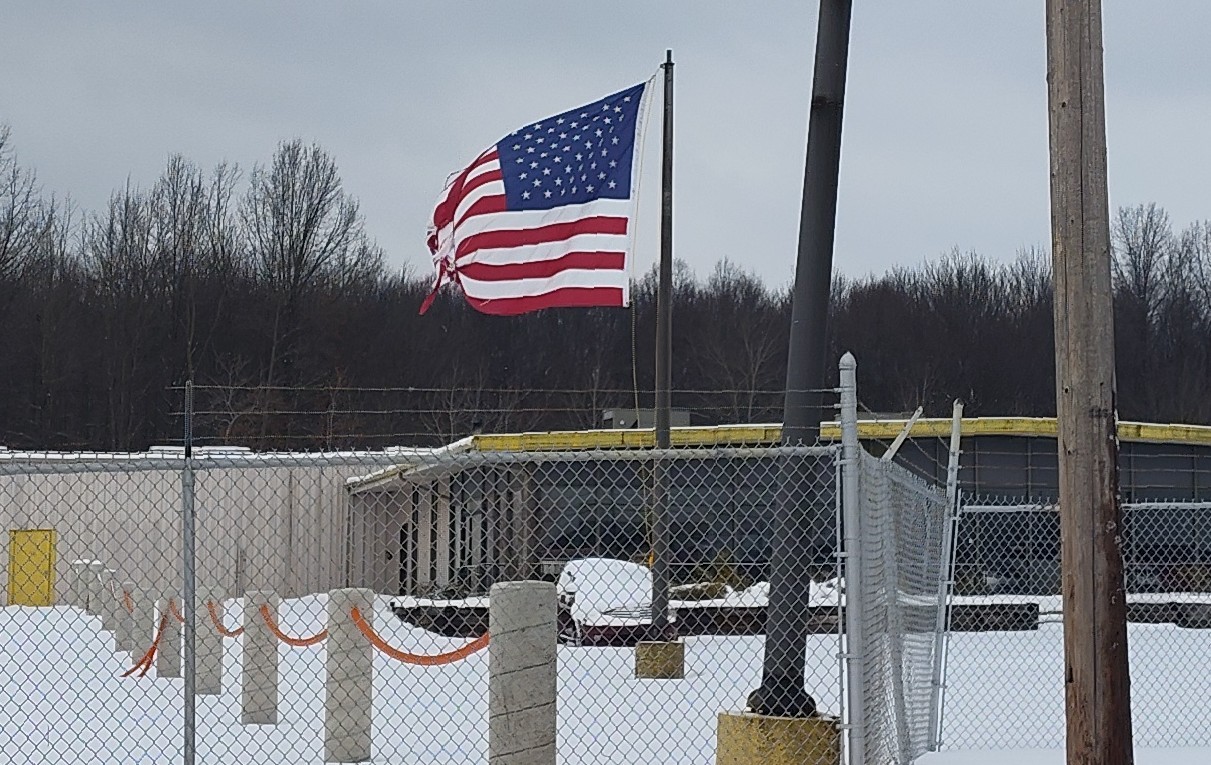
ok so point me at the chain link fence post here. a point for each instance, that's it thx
(855, 703)
(946, 585)
(189, 609)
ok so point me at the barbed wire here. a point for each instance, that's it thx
(418, 389)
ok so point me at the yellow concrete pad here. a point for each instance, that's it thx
(660, 660)
(749, 739)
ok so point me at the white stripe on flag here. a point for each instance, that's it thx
(530, 287)
(532, 253)
(489, 189)
(526, 219)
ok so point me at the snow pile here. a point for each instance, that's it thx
(60, 686)
(600, 585)
(822, 595)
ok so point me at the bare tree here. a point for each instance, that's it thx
(740, 349)
(21, 212)
(303, 231)
(1142, 238)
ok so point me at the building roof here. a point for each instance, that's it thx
(763, 435)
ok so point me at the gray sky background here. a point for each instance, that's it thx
(945, 125)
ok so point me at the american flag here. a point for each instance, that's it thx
(540, 219)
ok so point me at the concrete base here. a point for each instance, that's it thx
(208, 644)
(143, 623)
(109, 605)
(93, 587)
(259, 671)
(659, 660)
(168, 658)
(749, 739)
(349, 687)
(125, 629)
(522, 673)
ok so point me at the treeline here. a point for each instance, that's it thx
(264, 290)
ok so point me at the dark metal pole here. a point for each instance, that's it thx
(664, 376)
(188, 596)
(800, 520)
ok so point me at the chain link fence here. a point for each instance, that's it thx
(97, 618)
(214, 604)
(335, 607)
(902, 581)
(1005, 670)
(428, 534)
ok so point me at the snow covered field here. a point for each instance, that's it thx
(62, 700)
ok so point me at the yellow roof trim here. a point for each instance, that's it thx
(573, 440)
(724, 435)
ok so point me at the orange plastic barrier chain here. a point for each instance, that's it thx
(145, 663)
(218, 625)
(172, 608)
(296, 642)
(126, 601)
(424, 660)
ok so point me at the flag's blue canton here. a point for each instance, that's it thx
(578, 156)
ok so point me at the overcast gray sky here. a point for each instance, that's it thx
(945, 120)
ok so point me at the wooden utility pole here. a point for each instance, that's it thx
(1096, 680)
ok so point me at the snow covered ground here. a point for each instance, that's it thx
(1176, 756)
(62, 700)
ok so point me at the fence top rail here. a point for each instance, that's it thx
(1039, 507)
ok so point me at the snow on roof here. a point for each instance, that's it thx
(418, 458)
(171, 458)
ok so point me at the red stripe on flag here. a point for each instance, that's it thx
(567, 297)
(542, 269)
(485, 206)
(443, 214)
(554, 232)
(480, 180)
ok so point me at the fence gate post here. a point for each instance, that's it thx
(208, 644)
(522, 673)
(348, 692)
(851, 498)
(260, 670)
(168, 658)
(946, 585)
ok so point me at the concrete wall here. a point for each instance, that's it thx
(284, 529)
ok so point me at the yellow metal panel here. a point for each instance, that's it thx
(583, 440)
(880, 430)
(31, 567)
